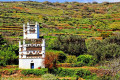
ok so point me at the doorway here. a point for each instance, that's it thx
(32, 65)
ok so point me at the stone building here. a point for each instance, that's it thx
(31, 48)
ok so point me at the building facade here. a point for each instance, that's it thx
(31, 48)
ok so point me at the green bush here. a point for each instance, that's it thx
(72, 73)
(105, 77)
(8, 55)
(66, 72)
(2, 63)
(61, 57)
(86, 60)
(104, 49)
(71, 59)
(49, 77)
(36, 72)
(78, 64)
(82, 73)
(72, 44)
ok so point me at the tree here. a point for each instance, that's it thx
(7, 57)
(103, 50)
(50, 60)
(71, 44)
(8, 53)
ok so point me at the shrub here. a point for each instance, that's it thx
(105, 49)
(78, 64)
(105, 77)
(86, 60)
(62, 57)
(72, 72)
(82, 73)
(51, 60)
(71, 59)
(36, 72)
(2, 63)
(72, 44)
(8, 54)
(66, 72)
(49, 77)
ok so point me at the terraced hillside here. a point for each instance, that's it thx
(85, 19)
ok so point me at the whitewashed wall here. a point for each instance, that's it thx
(25, 63)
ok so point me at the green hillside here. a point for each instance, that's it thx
(85, 19)
(82, 39)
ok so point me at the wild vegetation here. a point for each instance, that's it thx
(77, 35)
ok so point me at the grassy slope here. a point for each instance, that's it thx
(58, 18)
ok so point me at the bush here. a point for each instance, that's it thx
(62, 57)
(49, 77)
(72, 44)
(71, 59)
(72, 72)
(105, 77)
(82, 73)
(78, 64)
(36, 72)
(8, 55)
(66, 72)
(2, 63)
(105, 49)
(86, 60)
(51, 59)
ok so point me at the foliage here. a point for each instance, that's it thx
(104, 77)
(115, 25)
(70, 44)
(37, 72)
(87, 60)
(71, 59)
(2, 41)
(82, 73)
(78, 64)
(51, 60)
(8, 55)
(105, 49)
(62, 57)
(72, 72)
(113, 39)
(48, 77)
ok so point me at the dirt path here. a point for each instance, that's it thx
(84, 67)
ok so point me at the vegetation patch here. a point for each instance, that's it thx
(37, 72)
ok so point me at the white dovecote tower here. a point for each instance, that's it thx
(32, 49)
(31, 31)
